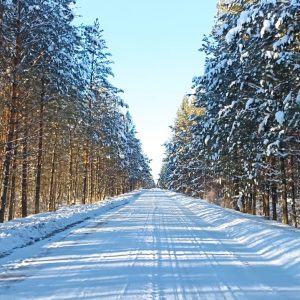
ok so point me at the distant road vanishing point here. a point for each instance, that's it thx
(161, 245)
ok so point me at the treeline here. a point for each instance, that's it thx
(65, 134)
(242, 149)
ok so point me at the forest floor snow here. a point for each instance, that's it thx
(160, 245)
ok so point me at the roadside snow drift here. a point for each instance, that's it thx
(22, 232)
(274, 241)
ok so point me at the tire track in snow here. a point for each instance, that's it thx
(135, 254)
(186, 212)
(153, 248)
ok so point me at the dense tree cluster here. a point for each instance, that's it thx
(244, 151)
(65, 134)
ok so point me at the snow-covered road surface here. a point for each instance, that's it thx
(161, 245)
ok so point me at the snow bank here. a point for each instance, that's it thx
(278, 243)
(22, 232)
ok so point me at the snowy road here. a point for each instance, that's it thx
(159, 246)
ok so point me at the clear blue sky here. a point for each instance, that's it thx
(155, 45)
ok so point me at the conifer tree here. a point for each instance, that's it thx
(247, 138)
(61, 122)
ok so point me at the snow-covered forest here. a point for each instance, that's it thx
(236, 137)
(66, 136)
(81, 216)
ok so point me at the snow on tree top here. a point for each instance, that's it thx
(298, 98)
(279, 116)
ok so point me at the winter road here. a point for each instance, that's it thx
(159, 246)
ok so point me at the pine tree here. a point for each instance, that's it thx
(58, 109)
(247, 139)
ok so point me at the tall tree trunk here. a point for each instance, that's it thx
(266, 200)
(100, 179)
(24, 173)
(12, 118)
(85, 174)
(70, 179)
(38, 178)
(53, 171)
(12, 199)
(274, 191)
(97, 176)
(92, 180)
(236, 193)
(77, 181)
(123, 185)
(254, 194)
(274, 201)
(285, 217)
(249, 200)
(293, 193)
(87, 151)
(8, 157)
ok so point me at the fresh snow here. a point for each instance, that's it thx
(249, 103)
(161, 245)
(279, 117)
(298, 98)
(282, 41)
(266, 28)
(231, 34)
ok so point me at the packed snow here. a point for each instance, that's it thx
(161, 245)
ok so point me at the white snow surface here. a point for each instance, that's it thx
(161, 245)
(21, 232)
